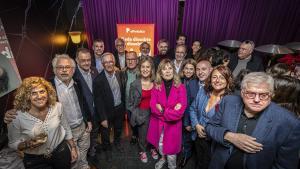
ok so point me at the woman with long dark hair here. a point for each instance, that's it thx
(219, 84)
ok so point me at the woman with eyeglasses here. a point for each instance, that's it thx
(40, 129)
(219, 84)
(168, 102)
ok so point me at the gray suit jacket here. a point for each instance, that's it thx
(138, 116)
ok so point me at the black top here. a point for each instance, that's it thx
(246, 126)
(168, 85)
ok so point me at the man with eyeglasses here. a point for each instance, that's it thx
(144, 50)
(250, 131)
(245, 59)
(128, 76)
(75, 107)
(120, 53)
(109, 101)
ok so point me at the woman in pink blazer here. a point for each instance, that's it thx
(168, 102)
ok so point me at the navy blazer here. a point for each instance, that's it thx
(86, 114)
(87, 93)
(191, 90)
(277, 129)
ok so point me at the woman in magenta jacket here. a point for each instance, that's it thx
(168, 102)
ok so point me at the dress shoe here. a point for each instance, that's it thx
(133, 140)
(119, 148)
(183, 162)
(108, 156)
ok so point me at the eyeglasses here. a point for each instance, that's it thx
(64, 67)
(108, 62)
(252, 95)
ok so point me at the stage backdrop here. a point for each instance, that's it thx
(102, 16)
(263, 21)
(135, 34)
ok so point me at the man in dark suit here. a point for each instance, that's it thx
(109, 102)
(85, 74)
(249, 131)
(244, 59)
(120, 53)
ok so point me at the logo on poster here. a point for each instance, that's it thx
(128, 30)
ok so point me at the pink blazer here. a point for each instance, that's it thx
(170, 121)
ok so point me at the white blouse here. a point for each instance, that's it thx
(26, 126)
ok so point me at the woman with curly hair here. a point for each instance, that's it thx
(40, 128)
(219, 84)
(168, 102)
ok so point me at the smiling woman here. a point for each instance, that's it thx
(40, 128)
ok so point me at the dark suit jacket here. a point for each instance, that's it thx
(103, 96)
(277, 129)
(86, 114)
(117, 59)
(255, 64)
(87, 94)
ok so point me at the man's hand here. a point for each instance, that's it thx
(10, 115)
(243, 142)
(200, 131)
(178, 106)
(89, 127)
(104, 123)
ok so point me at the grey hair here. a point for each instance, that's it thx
(106, 54)
(258, 78)
(62, 56)
(119, 39)
(249, 42)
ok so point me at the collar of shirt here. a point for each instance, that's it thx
(59, 82)
(109, 75)
(175, 63)
(121, 55)
(84, 72)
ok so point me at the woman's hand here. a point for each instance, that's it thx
(178, 106)
(201, 131)
(74, 154)
(158, 106)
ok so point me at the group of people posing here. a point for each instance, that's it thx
(182, 101)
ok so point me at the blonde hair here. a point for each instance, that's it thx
(22, 96)
(162, 65)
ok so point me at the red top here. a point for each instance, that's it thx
(145, 100)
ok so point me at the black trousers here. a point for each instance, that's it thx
(60, 159)
(203, 153)
(116, 122)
